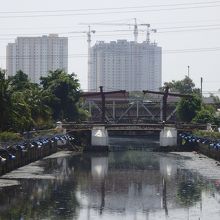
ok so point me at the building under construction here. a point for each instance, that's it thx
(126, 65)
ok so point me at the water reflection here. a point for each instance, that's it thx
(42, 199)
(99, 167)
(119, 185)
(168, 171)
(168, 167)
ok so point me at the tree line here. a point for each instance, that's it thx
(194, 109)
(25, 105)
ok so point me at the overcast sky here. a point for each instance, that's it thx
(188, 31)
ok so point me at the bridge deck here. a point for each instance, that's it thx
(133, 127)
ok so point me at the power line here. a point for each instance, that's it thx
(109, 12)
(34, 28)
(158, 32)
(81, 55)
(113, 8)
(60, 33)
(76, 26)
(191, 28)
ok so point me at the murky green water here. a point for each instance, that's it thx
(131, 185)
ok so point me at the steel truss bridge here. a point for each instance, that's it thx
(132, 111)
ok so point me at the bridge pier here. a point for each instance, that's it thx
(168, 137)
(99, 138)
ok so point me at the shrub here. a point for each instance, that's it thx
(207, 134)
(9, 136)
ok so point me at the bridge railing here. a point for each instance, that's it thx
(135, 126)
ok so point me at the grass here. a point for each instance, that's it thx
(8, 136)
(207, 134)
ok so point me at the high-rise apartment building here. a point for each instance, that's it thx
(124, 65)
(36, 56)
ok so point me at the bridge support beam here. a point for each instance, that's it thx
(99, 138)
(168, 137)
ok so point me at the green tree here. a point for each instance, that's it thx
(204, 116)
(41, 113)
(5, 101)
(215, 98)
(217, 120)
(64, 90)
(33, 100)
(20, 82)
(188, 107)
(22, 103)
(20, 113)
(185, 86)
(25, 105)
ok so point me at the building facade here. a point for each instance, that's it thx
(36, 56)
(125, 65)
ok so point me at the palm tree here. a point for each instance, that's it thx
(36, 98)
(5, 101)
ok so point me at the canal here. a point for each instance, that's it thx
(133, 184)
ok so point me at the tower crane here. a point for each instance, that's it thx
(149, 30)
(135, 25)
(120, 24)
(89, 32)
(135, 30)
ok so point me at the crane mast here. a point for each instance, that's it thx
(89, 36)
(135, 30)
(89, 32)
(148, 34)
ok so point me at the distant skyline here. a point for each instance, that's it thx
(188, 31)
(36, 56)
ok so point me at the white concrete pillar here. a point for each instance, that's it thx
(209, 127)
(59, 128)
(168, 137)
(99, 136)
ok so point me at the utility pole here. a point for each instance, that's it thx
(103, 103)
(201, 82)
(164, 107)
(188, 70)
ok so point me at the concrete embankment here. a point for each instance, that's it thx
(23, 153)
(204, 145)
(208, 151)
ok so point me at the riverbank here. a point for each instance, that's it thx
(207, 145)
(25, 152)
(33, 170)
(204, 165)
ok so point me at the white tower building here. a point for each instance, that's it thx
(36, 56)
(125, 65)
